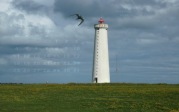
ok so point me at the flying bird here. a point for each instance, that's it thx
(79, 17)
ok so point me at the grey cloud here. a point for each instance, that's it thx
(30, 6)
(89, 9)
(108, 9)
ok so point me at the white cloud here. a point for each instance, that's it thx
(18, 27)
(4, 5)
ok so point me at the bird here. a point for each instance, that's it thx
(79, 17)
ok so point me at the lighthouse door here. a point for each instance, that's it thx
(96, 79)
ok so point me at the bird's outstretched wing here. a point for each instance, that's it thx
(82, 20)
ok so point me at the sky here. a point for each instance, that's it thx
(41, 42)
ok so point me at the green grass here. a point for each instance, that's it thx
(89, 98)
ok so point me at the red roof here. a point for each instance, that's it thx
(101, 20)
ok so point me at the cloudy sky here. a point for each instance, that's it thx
(40, 41)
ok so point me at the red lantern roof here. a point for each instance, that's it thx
(101, 20)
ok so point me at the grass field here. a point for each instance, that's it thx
(89, 98)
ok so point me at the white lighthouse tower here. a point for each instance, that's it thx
(101, 57)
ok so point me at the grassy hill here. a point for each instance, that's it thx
(89, 98)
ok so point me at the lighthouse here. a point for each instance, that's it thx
(101, 70)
